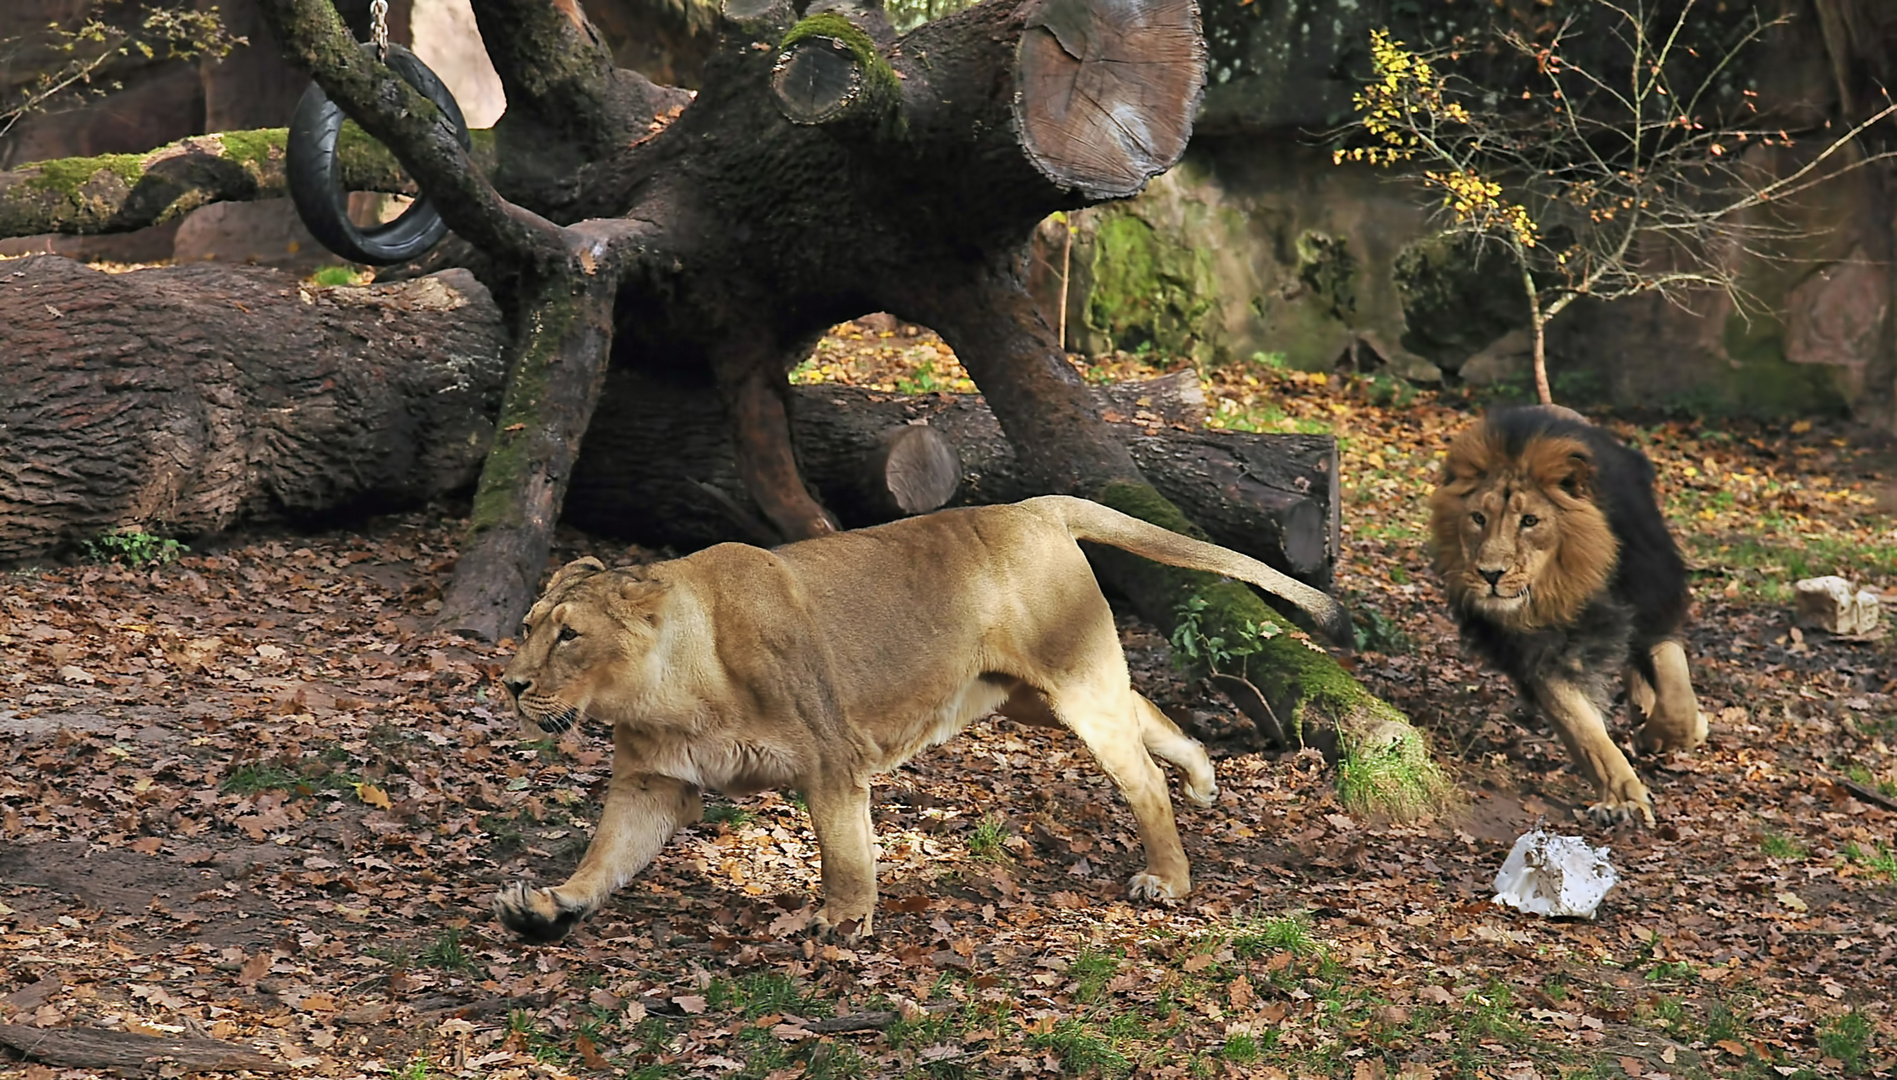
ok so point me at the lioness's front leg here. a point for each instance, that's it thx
(642, 812)
(1673, 718)
(1619, 794)
(839, 814)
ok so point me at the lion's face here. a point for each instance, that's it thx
(1519, 539)
(581, 643)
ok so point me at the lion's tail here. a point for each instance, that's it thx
(1087, 520)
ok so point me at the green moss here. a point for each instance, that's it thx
(67, 175)
(256, 147)
(879, 79)
(548, 324)
(1329, 270)
(1762, 381)
(1149, 293)
(1386, 761)
(1457, 297)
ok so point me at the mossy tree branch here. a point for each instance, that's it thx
(114, 193)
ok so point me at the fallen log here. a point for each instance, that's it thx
(659, 468)
(133, 1054)
(187, 400)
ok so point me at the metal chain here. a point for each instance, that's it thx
(379, 28)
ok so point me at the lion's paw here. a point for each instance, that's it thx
(1661, 734)
(535, 914)
(1147, 885)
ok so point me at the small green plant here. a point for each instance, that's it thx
(1195, 649)
(133, 547)
(1779, 846)
(416, 1069)
(336, 275)
(1375, 633)
(989, 839)
(921, 381)
(1864, 776)
(1847, 1038)
(729, 814)
(446, 953)
(1672, 971)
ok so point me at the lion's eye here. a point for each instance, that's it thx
(1529, 521)
(1478, 519)
(567, 633)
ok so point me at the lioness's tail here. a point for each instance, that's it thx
(1087, 520)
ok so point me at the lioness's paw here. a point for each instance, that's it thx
(1203, 794)
(842, 926)
(535, 914)
(1609, 813)
(1147, 885)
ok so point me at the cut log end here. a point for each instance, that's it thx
(1108, 91)
(817, 81)
(916, 469)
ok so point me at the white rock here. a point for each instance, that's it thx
(1835, 605)
(1554, 875)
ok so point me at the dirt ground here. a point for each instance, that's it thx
(246, 796)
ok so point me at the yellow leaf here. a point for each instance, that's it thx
(372, 795)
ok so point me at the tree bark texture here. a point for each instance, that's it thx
(129, 1053)
(187, 399)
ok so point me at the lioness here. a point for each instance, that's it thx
(1562, 573)
(819, 664)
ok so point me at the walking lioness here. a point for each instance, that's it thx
(819, 664)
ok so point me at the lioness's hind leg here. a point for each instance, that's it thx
(1164, 740)
(1619, 794)
(1114, 729)
(642, 812)
(1674, 722)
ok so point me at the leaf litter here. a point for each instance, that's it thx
(250, 796)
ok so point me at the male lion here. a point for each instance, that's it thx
(819, 664)
(1560, 568)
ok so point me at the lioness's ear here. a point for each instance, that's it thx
(576, 566)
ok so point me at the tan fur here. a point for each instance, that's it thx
(823, 663)
(1549, 571)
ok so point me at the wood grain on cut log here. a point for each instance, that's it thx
(187, 399)
(1108, 90)
(133, 1054)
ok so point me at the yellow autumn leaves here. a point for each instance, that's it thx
(1405, 109)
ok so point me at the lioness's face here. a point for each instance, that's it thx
(577, 640)
(1509, 536)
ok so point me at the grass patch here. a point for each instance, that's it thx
(1291, 932)
(989, 839)
(446, 953)
(1083, 1050)
(1779, 846)
(1881, 863)
(254, 777)
(1091, 971)
(1847, 1038)
(729, 814)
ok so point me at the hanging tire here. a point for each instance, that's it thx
(315, 174)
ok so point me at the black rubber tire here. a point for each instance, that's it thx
(316, 179)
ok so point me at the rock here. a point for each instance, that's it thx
(1832, 604)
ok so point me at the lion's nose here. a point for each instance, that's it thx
(1491, 576)
(516, 687)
